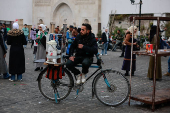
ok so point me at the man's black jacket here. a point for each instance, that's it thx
(89, 46)
(104, 37)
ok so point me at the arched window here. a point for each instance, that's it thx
(40, 21)
(86, 21)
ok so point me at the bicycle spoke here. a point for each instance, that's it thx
(116, 92)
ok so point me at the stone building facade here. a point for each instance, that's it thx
(70, 12)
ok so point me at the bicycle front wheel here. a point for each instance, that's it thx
(111, 88)
(64, 85)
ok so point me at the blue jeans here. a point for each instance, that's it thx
(169, 65)
(26, 37)
(19, 77)
(5, 45)
(105, 48)
(6, 75)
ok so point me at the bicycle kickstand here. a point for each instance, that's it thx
(77, 93)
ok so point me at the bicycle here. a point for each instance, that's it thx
(110, 86)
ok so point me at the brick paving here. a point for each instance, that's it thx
(25, 97)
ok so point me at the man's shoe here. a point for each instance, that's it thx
(167, 74)
(101, 54)
(105, 54)
(78, 79)
(83, 80)
(38, 68)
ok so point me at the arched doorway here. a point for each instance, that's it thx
(63, 15)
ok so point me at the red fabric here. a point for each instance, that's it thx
(55, 73)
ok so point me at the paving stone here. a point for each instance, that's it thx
(25, 97)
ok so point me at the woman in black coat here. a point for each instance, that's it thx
(16, 39)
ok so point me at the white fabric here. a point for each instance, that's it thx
(42, 26)
(131, 29)
(107, 35)
(15, 26)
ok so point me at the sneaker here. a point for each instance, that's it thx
(105, 54)
(101, 54)
(11, 80)
(78, 79)
(83, 80)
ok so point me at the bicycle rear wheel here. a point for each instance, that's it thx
(111, 88)
(64, 85)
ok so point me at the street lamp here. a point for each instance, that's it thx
(133, 3)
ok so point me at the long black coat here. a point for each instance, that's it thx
(16, 39)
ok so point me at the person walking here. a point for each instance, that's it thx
(41, 48)
(33, 35)
(119, 40)
(105, 41)
(3, 65)
(127, 58)
(16, 39)
(26, 33)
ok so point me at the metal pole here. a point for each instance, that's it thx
(131, 59)
(139, 16)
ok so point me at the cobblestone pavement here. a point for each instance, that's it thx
(25, 97)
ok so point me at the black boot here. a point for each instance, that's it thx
(132, 73)
(127, 73)
(38, 68)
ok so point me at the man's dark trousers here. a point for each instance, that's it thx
(85, 61)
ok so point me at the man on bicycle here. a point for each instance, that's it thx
(86, 46)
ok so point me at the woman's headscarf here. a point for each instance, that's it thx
(42, 26)
(152, 32)
(131, 28)
(15, 26)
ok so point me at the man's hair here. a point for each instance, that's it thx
(57, 28)
(25, 24)
(88, 26)
(4, 24)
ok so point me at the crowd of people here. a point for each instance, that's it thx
(81, 40)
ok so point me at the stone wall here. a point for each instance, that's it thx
(71, 12)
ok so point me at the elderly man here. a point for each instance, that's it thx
(86, 46)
